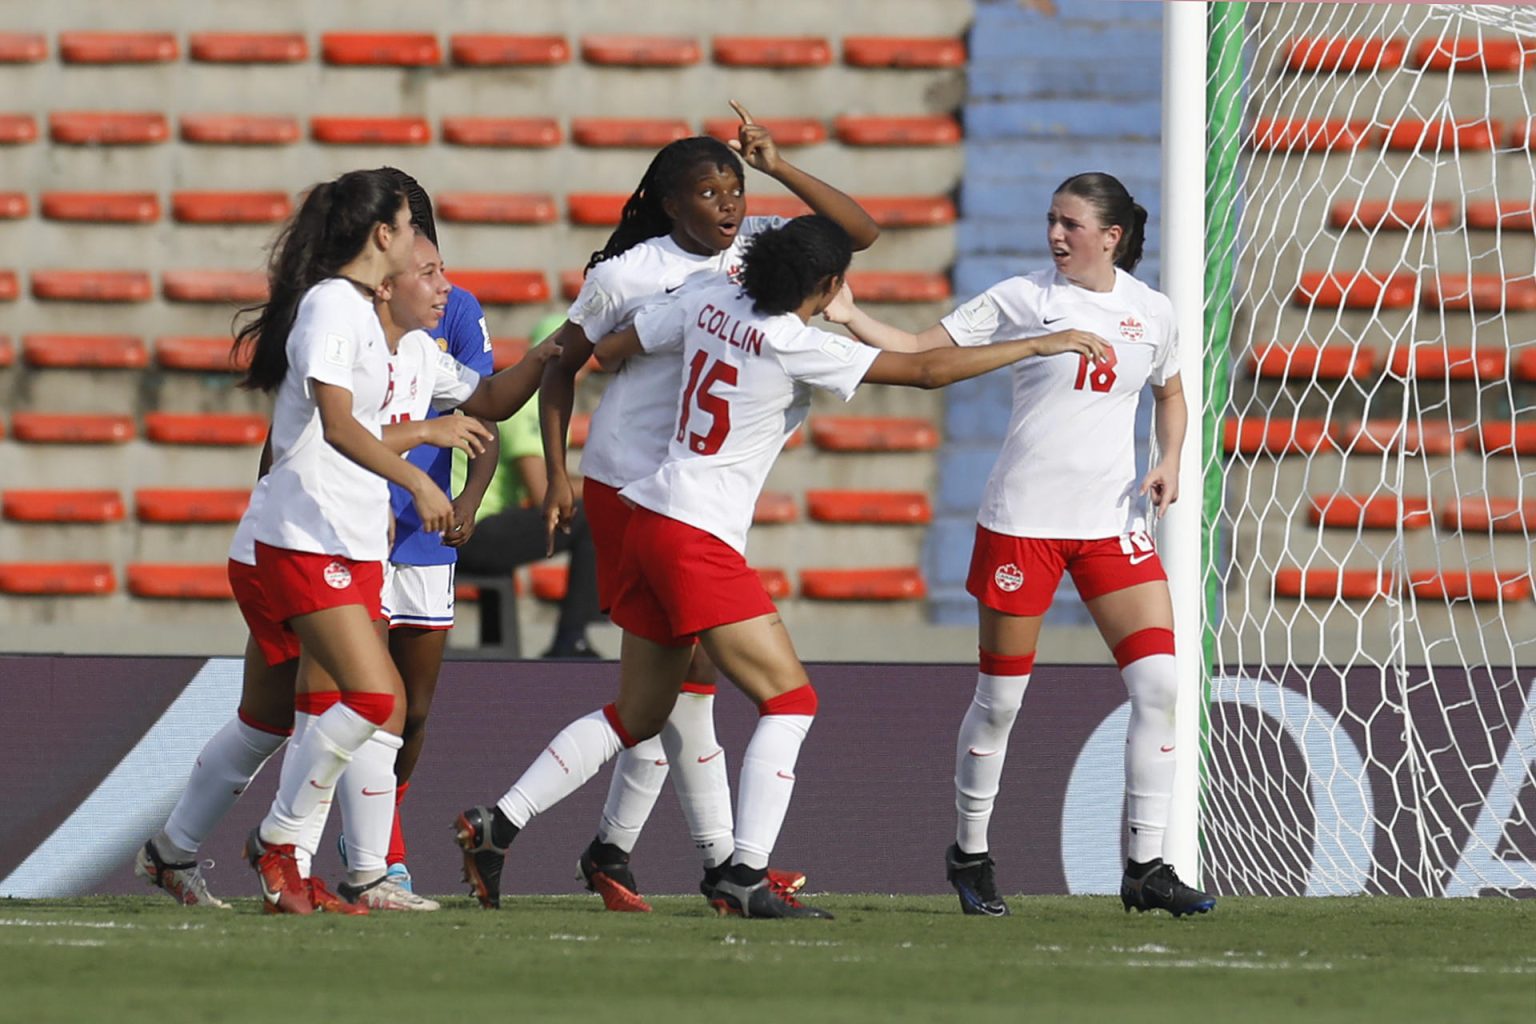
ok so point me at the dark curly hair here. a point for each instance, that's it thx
(784, 265)
(643, 216)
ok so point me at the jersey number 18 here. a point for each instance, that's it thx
(1101, 378)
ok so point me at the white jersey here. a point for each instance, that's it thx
(628, 435)
(319, 500)
(1067, 468)
(242, 547)
(422, 376)
(746, 387)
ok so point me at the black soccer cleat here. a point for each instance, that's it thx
(761, 899)
(483, 859)
(605, 870)
(1160, 889)
(971, 875)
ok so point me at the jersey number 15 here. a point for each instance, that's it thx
(699, 392)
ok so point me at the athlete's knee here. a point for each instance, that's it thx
(1146, 661)
(1000, 686)
(798, 700)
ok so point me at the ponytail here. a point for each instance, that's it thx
(1114, 206)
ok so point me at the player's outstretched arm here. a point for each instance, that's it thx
(939, 367)
(469, 436)
(502, 394)
(846, 312)
(617, 347)
(343, 432)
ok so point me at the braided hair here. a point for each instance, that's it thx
(643, 216)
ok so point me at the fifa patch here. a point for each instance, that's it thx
(1131, 329)
(338, 576)
(1008, 577)
(977, 318)
(838, 347)
(338, 350)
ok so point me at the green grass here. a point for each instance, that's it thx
(883, 959)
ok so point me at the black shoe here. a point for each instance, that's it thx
(605, 869)
(1160, 889)
(581, 647)
(971, 875)
(759, 900)
(483, 859)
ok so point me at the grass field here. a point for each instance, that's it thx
(883, 959)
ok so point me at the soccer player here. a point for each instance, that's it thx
(687, 218)
(752, 361)
(1064, 496)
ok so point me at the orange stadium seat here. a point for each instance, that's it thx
(500, 51)
(570, 283)
(205, 428)
(1348, 584)
(775, 507)
(549, 582)
(887, 507)
(595, 208)
(1474, 54)
(56, 578)
(205, 354)
(186, 505)
(1328, 53)
(776, 583)
(1484, 585)
(240, 129)
(1489, 515)
(370, 131)
(776, 205)
(502, 287)
(903, 52)
(1364, 512)
(7, 351)
(1523, 135)
(248, 47)
(640, 51)
(873, 434)
(628, 132)
(898, 286)
(786, 131)
(909, 211)
(103, 207)
(772, 51)
(388, 49)
(581, 427)
(1509, 438)
(16, 129)
(22, 48)
(936, 130)
(71, 428)
(1444, 135)
(1286, 135)
(101, 128)
(1509, 215)
(85, 351)
(230, 207)
(1485, 292)
(1359, 289)
(9, 286)
(92, 285)
(235, 286)
(497, 207)
(507, 352)
(117, 47)
(1390, 215)
(63, 506)
(894, 584)
(1525, 365)
(14, 205)
(180, 582)
(1279, 436)
(1377, 436)
(503, 132)
(1311, 362)
(1455, 363)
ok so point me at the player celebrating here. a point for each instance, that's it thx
(1064, 496)
(751, 362)
(686, 219)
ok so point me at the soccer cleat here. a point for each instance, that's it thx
(786, 883)
(182, 882)
(1160, 889)
(971, 875)
(401, 876)
(384, 893)
(282, 890)
(759, 900)
(327, 902)
(605, 870)
(483, 859)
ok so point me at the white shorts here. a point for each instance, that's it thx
(418, 595)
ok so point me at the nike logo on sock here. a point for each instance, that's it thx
(981, 753)
(317, 785)
(711, 757)
(662, 763)
(376, 792)
(788, 778)
(1166, 750)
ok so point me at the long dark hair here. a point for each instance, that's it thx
(1115, 206)
(329, 230)
(784, 265)
(418, 200)
(643, 216)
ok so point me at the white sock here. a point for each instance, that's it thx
(637, 778)
(572, 757)
(225, 766)
(318, 760)
(767, 783)
(1152, 683)
(699, 776)
(308, 841)
(980, 751)
(366, 792)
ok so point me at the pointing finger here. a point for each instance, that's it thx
(741, 112)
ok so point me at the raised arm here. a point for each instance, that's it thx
(468, 435)
(939, 367)
(845, 311)
(343, 432)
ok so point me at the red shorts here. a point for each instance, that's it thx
(1018, 575)
(677, 581)
(607, 519)
(300, 582)
(276, 641)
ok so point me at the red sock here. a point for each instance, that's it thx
(396, 851)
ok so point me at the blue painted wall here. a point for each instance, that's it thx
(1049, 96)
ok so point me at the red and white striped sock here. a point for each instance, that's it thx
(575, 755)
(638, 775)
(319, 759)
(366, 793)
(768, 773)
(225, 766)
(1147, 665)
(699, 775)
(982, 745)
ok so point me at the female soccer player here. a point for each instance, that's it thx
(1064, 496)
(686, 218)
(751, 362)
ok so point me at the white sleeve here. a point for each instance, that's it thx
(825, 360)
(600, 304)
(660, 326)
(1004, 312)
(323, 343)
(452, 383)
(755, 225)
(1165, 361)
